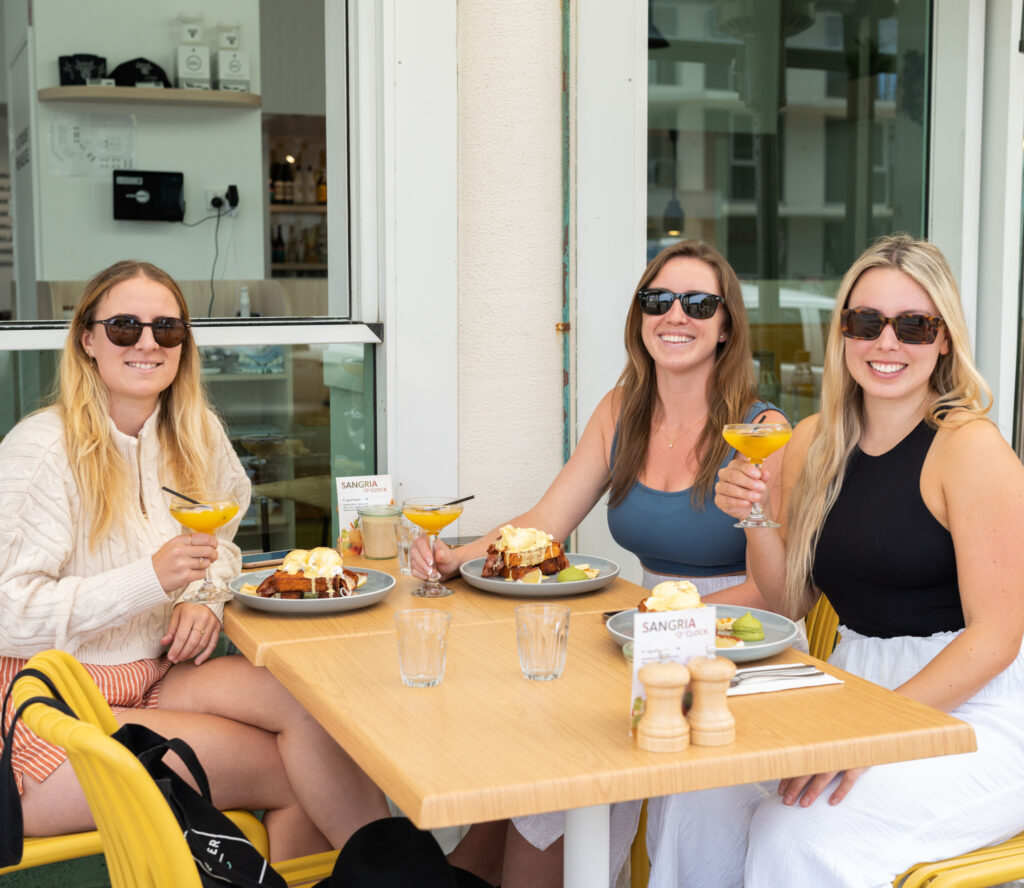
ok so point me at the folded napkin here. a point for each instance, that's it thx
(763, 685)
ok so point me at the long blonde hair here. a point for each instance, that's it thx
(961, 395)
(187, 424)
(730, 389)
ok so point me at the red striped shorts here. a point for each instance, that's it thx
(125, 686)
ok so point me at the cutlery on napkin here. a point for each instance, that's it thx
(761, 679)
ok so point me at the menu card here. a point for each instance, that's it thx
(677, 635)
(355, 491)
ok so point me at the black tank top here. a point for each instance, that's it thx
(886, 564)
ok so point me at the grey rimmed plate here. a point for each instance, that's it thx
(779, 633)
(549, 587)
(376, 587)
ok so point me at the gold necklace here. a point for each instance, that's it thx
(672, 442)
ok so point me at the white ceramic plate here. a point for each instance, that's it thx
(376, 587)
(778, 632)
(549, 587)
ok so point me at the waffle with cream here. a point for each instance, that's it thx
(312, 573)
(519, 550)
(671, 595)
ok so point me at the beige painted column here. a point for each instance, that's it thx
(510, 255)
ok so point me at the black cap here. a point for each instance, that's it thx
(139, 71)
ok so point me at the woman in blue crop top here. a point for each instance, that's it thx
(689, 372)
(903, 504)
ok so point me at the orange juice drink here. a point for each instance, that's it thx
(432, 520)
(205, 518)
(757, 442)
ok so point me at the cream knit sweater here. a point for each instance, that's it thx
(104, 605)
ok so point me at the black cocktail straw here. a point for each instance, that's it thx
(181, 496)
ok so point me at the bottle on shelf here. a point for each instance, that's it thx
(292, 250)
(244, 306)
(277, 248)
(321, 187)
(310, 196)
(309, 254)
(289, 182)
(278, 177)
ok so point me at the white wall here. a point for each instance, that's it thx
(214, 147)
(510, 256)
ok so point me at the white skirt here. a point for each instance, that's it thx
(894, 816)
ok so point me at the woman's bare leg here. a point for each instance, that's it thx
(482, 850)
(333, 791)
(529, 867)
(255, 780)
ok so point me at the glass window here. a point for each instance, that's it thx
(298, 416)
(814, 145)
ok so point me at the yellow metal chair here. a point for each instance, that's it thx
(822, 628)
(140, 837)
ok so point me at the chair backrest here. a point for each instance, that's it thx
(822, 628)
(142, 842)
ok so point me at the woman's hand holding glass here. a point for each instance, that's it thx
(740, 485)
(420, 561)
(183, 559)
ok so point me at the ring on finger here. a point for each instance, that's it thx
(202, 632)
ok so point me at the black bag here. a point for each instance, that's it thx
(223, 855)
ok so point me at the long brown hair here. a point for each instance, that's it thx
(730, 389)
(960, 394)
(186, 427)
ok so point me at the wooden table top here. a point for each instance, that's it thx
(254, 632)
(488, 744)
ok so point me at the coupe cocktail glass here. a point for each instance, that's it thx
(212, 509)
(757, 441)
(432, 514)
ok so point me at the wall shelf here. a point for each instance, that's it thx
(298, 208)
(146, 95)
(298, 266)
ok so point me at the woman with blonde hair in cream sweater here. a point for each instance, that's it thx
(91, 562)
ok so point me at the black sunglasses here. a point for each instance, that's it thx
(125, 330)
(910, 327)
(697, 305)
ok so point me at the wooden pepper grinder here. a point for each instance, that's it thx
(711, 723)
(662, 727)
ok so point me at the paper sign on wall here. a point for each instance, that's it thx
(677, 636)
(355, 491)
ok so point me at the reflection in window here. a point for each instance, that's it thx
(802, 141)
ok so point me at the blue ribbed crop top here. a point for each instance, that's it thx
(669, 536)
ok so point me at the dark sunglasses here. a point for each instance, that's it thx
(697, 305)
(126, 330)
(868, 323)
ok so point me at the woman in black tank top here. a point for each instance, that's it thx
(903, 505)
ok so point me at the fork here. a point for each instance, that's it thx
(807, 671)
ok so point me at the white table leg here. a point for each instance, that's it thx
(587, 839)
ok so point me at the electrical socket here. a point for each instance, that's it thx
(215, 199)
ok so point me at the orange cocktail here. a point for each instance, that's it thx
(205, 518)
(204, 513)
(433, 515)
(757, 441)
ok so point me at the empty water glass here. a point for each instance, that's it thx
(542, 636)
(422, 641)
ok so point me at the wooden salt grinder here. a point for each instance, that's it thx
(711, 723)
(662, 727)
